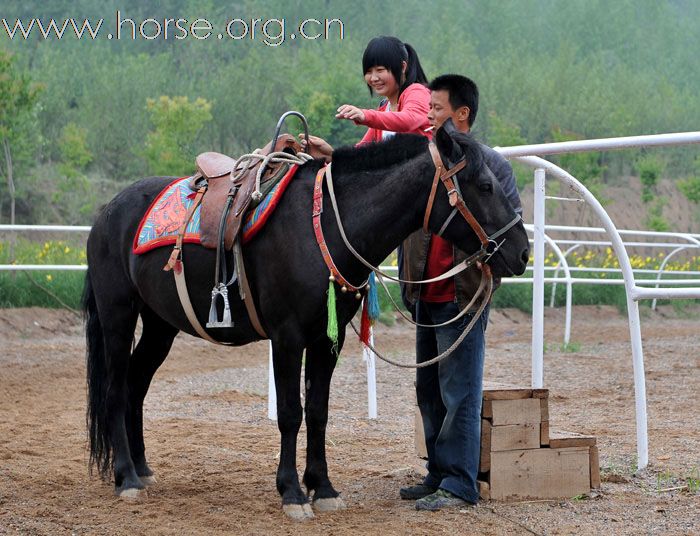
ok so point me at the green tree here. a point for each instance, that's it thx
(74, 198)
(655, 220)
(75, 155)
(177, 122)
(17, 101)
(502, 133)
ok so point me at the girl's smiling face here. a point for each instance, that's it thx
(382, 81)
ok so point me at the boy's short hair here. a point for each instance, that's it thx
(462, 92)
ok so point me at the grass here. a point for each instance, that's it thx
(41, 289)
(53, 289)
(667, 481)
(693, 480)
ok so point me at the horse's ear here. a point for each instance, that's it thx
(447, 146)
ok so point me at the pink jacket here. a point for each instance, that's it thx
(412, 117)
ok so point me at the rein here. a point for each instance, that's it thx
(489, 246)
(486, 284)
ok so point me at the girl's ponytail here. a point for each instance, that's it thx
(414, 70)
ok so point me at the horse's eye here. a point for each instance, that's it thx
(486, 187)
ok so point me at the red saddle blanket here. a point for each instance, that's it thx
(163, 219)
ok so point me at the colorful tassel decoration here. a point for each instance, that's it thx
(332, 330)
(365, 323)
(373, 306)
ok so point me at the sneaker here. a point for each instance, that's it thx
(438, 500)
(416, 492)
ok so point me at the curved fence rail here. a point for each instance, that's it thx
(634, 290)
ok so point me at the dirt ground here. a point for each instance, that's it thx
(215, 452)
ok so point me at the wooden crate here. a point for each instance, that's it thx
(521, 457)
(542, 473)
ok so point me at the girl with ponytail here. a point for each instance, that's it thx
(392, 70)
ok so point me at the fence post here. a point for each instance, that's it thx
(538, 283)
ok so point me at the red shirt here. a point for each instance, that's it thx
(411, 117)
(440, 260)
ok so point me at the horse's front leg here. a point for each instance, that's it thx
(320, 362)
(287, 364)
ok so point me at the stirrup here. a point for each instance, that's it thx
(214, 322)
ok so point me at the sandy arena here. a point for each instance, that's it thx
(215, 452)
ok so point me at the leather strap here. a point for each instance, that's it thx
(244, 290)
(460, 267)
(455, 197)
(431, 198)
(318, 231)
(177, 250)
(457, 201)
(176, 264)
(181, 285)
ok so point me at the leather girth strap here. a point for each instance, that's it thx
(244, 289)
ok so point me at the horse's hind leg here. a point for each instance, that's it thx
(111, 311)
(320, 362)
(150, 352)
(118, 336)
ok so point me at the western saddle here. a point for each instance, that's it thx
(213, 170)
(231, 186)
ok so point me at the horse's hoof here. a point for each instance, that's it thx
(132, 494)
(298, 512)
(148, 480)
(330, 504)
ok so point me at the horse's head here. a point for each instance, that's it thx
(498, 229)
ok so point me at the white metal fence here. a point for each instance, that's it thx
(635, 291)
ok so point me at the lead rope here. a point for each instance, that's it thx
(486, 281)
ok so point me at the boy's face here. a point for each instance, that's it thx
(441, 110)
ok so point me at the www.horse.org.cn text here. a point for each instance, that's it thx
(272, 32)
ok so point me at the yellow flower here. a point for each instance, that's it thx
(66, 250)
(49, 277)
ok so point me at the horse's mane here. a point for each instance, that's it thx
(370, 156)
(400, 148)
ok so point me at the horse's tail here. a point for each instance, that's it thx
(97, 384)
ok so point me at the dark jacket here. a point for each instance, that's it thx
(414, 256)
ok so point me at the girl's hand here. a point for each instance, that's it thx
(353, 113)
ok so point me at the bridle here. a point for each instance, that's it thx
(489, 245)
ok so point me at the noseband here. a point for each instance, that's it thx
(489, 246)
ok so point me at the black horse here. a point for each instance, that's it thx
(382, 191)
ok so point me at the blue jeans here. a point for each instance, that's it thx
(449, 397)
